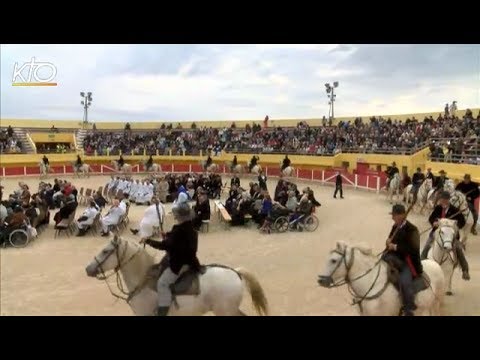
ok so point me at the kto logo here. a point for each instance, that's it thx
(42, 73)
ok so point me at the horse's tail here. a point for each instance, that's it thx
(256, 292)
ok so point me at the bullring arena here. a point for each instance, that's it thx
(47, 277)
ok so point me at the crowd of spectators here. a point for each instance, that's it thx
(9, 142)
(376, 135)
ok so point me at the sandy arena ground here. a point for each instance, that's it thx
(48, 276)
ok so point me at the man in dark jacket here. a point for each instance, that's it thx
(202, 211)
(262, 180)
(45, 160)
(235, 181)
(79, 162)
(429, 174)
(403, 250)
(181, 245)
(338, 186)
(470, 189)
(149, 163)
(65, 211)
(208, 162)
(120, 162)
(417, 181)
(441, 211)
(286, 162)
(253, 162)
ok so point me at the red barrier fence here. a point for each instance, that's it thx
(367, 182)
(357, 181)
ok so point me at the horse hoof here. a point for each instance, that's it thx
(449, 293)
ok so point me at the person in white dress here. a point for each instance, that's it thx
(113, 217)
(87, 218)
(153, 217)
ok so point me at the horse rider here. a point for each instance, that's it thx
(429, 175)
(403, 252)
(445, 210)
(181, 245)
(470, 189)
(208, 162)
(391, 173)
(234, 162)
(417, 180)
(120, 162)
(79, 162)
(235, 181)
(439, 184)
(253, 162)
(149, 163)
(46, 162)
(286, 162)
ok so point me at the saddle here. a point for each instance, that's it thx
(188, 283)
(420, 283)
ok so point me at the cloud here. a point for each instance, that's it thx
(201, 82)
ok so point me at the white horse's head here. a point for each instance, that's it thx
(336, 268)
(428, 184)
(449, 185)
(446, 233)
(112, 257)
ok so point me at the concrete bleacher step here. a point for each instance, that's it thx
(21, 135)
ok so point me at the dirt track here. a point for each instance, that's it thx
(48, 277)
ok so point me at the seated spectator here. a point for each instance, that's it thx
(113, 217)
(202, 211)
(62, 216)
(86, 220)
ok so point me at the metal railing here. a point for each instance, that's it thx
(470, 150)
(350, 150)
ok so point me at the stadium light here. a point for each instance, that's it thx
(86, 102)
(331, 97)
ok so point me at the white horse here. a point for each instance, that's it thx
(211, 168)
(394, 187)
(288, 171)
(256, 169)
(221, 288)
(84, 169)
(126, 168)
(442, 250)
(238, 169)
(367, 278)
(422, 194)
(44, 169)
(154, 168)
(457, 198)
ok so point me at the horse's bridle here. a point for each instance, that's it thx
(116, 271)
(357, 299)
(448, 254)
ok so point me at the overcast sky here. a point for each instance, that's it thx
(215, 82)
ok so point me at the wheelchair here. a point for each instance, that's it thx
(18, 238)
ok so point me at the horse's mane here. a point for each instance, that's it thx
(447, 222)
(364, 249)
(135, 245)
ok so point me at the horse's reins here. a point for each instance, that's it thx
(116, 272)
(358, 299)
